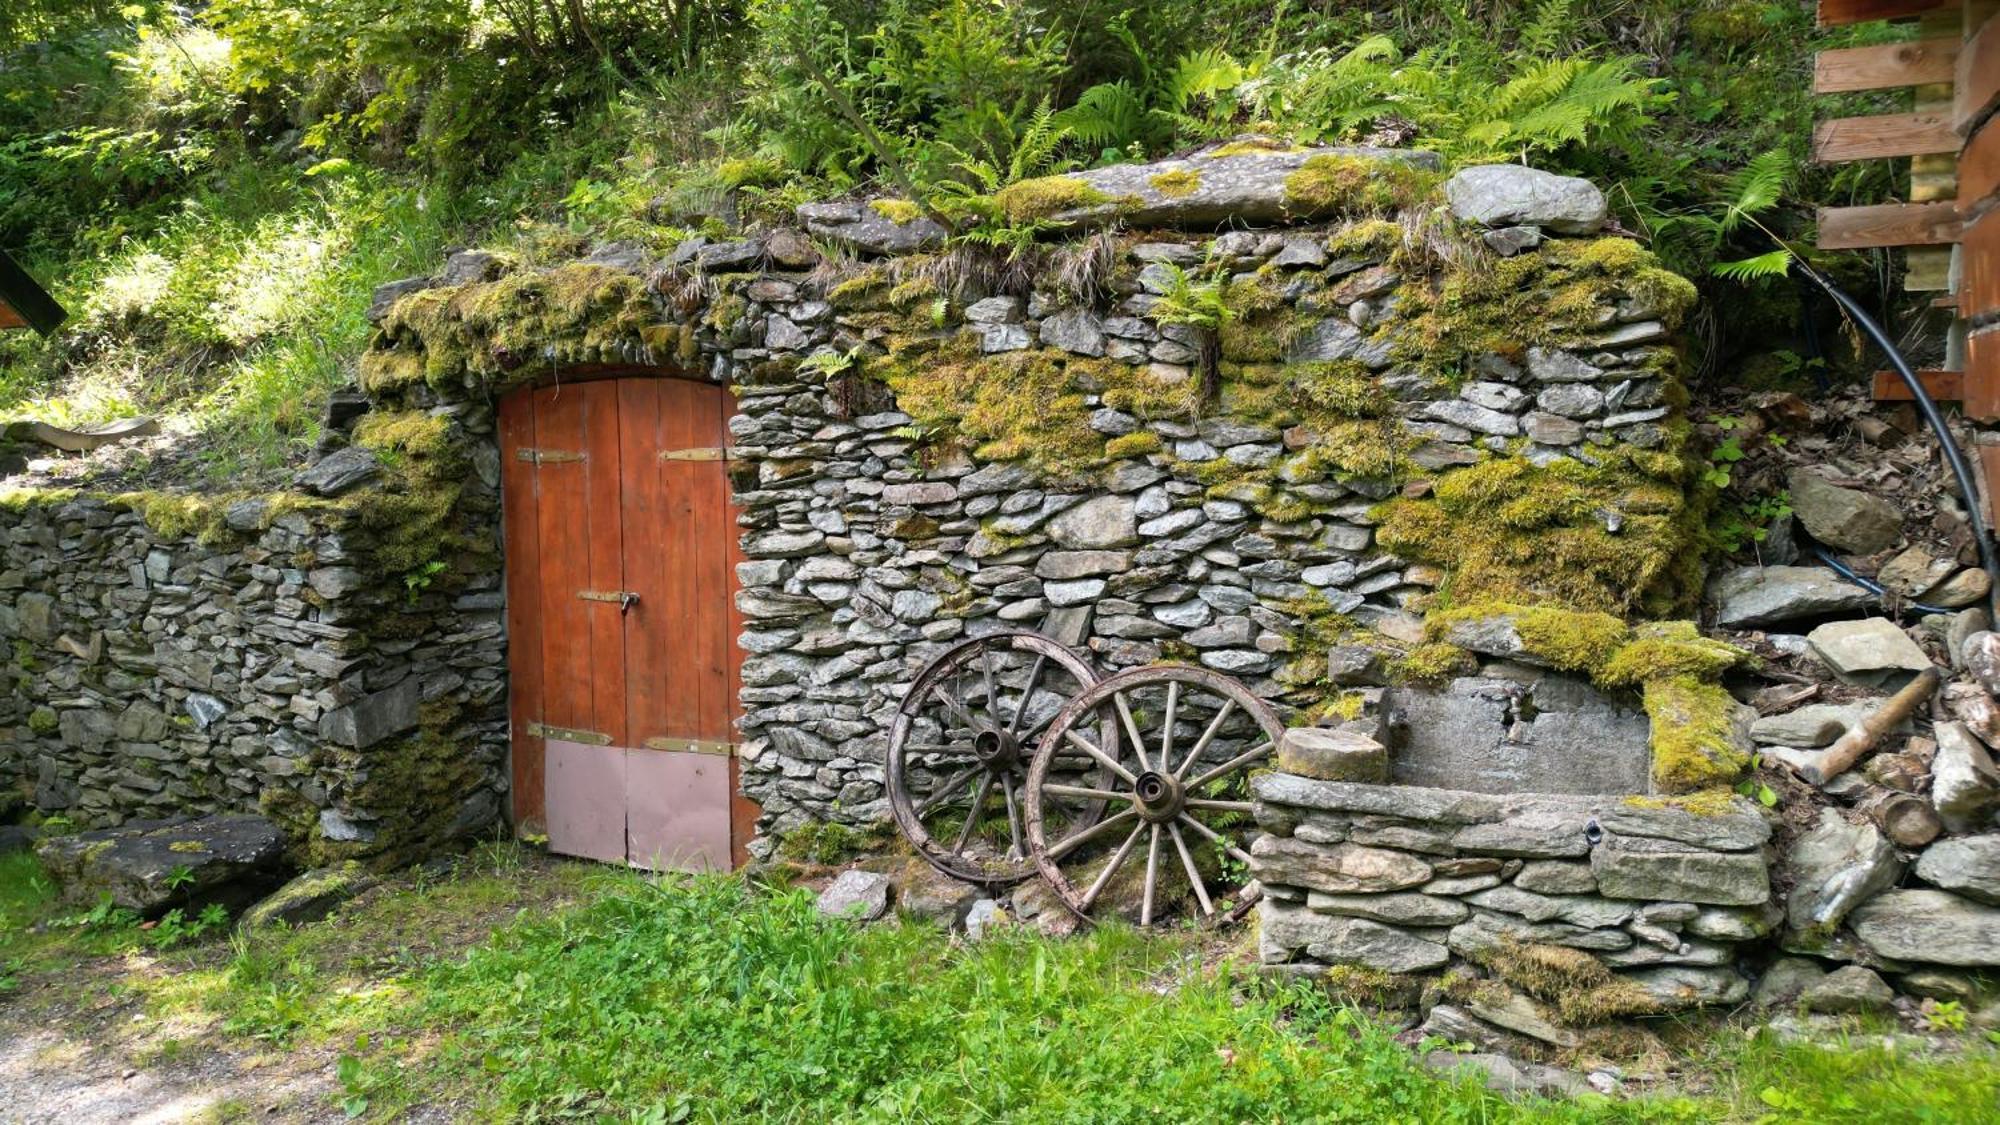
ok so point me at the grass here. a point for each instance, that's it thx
(612, 996)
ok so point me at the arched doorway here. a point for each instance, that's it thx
(621, 548)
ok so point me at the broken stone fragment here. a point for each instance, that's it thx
(1333, 755)
(1763, 595)
(148, 865)
(1834, 868)
(1503, 195)
(862, 896)
(1965, 786)
(1969, 866)
(1873, 651)
(340, 471)
(1845, 519)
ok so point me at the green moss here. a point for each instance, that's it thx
(1178, 183)
(1328, 184)
(1366, 238)
(1250, 146)
(853, 292)
(415, 432)
(1665, 650)
(1511, 531)
(826, 843)
(1565, 639)
(1138, 443)
(898, 211)
(1432, 663)
(1693, 735)
(1583, 990)
(44, 721)
(1029, 201)
(1705, 802)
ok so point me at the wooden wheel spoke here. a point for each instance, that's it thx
(972, 816)
(1152, 878)
(1103, 759)
(947, 790)
(1027, 695)
(1207, 736)
(1167, 738)
(1013, 819)
(956, 708)
(1262, 749)
(1111, 868)
(1131, 729)
(1213, 837)
(1084, 791)
(1187, 864)
(1084, 836)
(986, 673)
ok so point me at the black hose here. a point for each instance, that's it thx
(1954, 457)
(1869, 584)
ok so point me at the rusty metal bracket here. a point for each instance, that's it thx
(692, 746)
(625, 599)
(548, 456)
(569, 734)
(711, 453)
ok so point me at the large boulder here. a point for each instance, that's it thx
(1750, 596)
(1845, 519)
(148, 866)
(1933, 926)
(1503, 195)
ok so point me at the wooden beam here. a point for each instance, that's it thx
(1944, 386)
(1888, 224)
(1979, 170)
(1979, 283)
(1838, 13)
(1883, 135)
(1977, 78)
(1981, 396)
(1885, 67)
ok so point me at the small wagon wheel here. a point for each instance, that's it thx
(1177, 783)
(960, 745)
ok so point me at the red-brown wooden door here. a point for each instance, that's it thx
(621, 552)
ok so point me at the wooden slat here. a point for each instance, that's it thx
(1989, 472)
(1888, 224)
(524, 618)
(709, 564)
(1977, 78)
(562, 528)
(604, 550)
(1944, 386)
(1838, 13)
(1979, 280)
(651, 629)
(1979, 171)
(1885, 67)
(1982, 376)
(1883, 135)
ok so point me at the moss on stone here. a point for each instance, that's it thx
(44, 721)
(1582, 988)
(1028, 201)
(1330, 183)
(898, 211)
(1138, 443)
(1251, 146)
(1694, 744)
(1178, 183)
(1665, 650)
(1564, 639)
(1433, 663)
(1512, 531)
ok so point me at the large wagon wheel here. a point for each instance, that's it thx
(1177, 782)
(960, 745)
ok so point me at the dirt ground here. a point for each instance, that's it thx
(141, 1037)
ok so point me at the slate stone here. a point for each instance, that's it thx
(1336, 868)
(1098, 523)
(373, 718)
(1661, 870)
(1333, 755)
(1854, 988)
(149, 865)
(1285, 930)
(863, 228)
(309, 897)
(1677, 987)
(339, 472)
(1867, 649)
(1738, 825)
(1834, 868)
(1079, 331)
(1810, 727)
(1492, 736)
(1965, 786)
(857, 895)
(1926, 925)
(1400, 909)
(1556, 877)
(1578, 910)
(1785, 981)
(1408, 802)
(1764, 595)
(1486, 932)
(1845, 519)
(1968, 865)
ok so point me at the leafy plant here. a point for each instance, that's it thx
(420, 579)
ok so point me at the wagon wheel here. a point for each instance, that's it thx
(1178, 785)
(960, 745)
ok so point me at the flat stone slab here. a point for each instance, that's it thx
(148, 865)
(1934, 926)
(1555, 735)
(1869, 649)
(1752, 596)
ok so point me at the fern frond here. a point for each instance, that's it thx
(1757, 187)
(1773, 264)
(1108, 115)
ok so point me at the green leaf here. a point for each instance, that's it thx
(1773, 264)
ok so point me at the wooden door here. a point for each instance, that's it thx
(621, 552)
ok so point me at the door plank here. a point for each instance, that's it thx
(1837, 13)
(1883, 135)
(709, 564)
(521, 551)
(1885, 66)
(563, 529)
(1978, 78)
(1944, 386)
(680, 555)
(648, 632)
(604, 550)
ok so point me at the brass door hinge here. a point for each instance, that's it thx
(569, 734)
(548, 456)
(712, 453)
(692, 746)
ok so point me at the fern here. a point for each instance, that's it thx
(1773, 264)
(1109, 115)
(1757, 187)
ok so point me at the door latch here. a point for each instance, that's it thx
(626, 599)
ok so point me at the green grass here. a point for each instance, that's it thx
(612, 996)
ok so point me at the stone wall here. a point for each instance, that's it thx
(245, 655)
(1403, 879)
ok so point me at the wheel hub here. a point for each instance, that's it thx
(1158, 796)
(997, 750)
